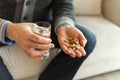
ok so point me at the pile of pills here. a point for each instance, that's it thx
(73, 43)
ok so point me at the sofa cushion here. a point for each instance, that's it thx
(87, 7)
(21, 66)
(111, 10)
(106, 55)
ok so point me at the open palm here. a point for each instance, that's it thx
(64, 33)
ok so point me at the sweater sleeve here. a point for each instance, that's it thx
(63, 22)
(63, 12)
(3, 26)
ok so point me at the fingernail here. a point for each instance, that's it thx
(52, 45)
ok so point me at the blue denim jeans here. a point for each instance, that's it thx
(4, 74)
(62, 67)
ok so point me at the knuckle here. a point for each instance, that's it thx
(35, 37)
(38, 39)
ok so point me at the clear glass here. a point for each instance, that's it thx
(41, 29)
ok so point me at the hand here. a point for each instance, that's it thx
(27, 40)
(64, 33)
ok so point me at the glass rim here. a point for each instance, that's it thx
(45, 27)
(43, 24)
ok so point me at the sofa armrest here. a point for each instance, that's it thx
(111, 10)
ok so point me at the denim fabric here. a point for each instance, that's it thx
(4, 73)
(63, 67)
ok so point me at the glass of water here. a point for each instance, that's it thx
(41, 29)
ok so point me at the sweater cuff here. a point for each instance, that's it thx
(64, 21)
(3, 26)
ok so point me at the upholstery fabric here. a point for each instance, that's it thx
(21, 65)
(106, 54)
(111, 10)
(88, 7)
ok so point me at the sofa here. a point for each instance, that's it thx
(102, 17)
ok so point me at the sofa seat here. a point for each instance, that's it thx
(21, 66)
(106, 54)
(103, 59)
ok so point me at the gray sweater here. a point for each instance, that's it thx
(10, 9)
(59, 11)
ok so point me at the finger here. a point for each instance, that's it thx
(39, 39)
(83, 41)
(69, 51)
(78, 53)
(35, 57)
(38, 58)
(42, 46)
(39, 45)
(39, 52)
(32, 56)
(28, 51)
(82, 50)
(33, 52)
(73, 55)
(66, 49)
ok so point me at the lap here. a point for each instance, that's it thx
(63, 63)
(19, 65)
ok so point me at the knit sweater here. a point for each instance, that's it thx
(59, 11)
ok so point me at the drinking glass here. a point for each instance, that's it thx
(41, 29)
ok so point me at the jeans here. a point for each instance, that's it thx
(4, 74)
(62, 67)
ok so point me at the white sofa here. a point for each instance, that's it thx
(102, 17)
